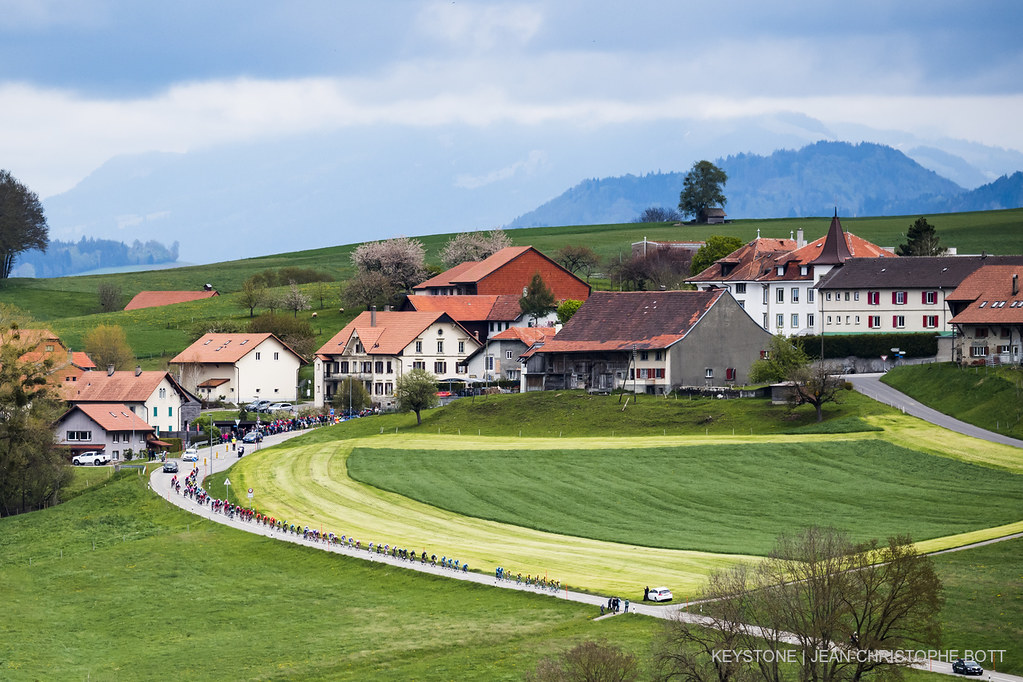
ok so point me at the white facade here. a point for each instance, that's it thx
(890, 310)
(253, 367)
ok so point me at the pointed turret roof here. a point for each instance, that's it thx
(835, 250)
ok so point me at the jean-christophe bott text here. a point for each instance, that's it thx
(897, 656)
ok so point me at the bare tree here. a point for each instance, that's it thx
(109, 297)
(815, 385)
(253, 293)
(473, 246)
(588, 662)
(577, 258)
(366, 289)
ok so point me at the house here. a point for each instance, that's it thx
(650, 342)
(66, 366)
(714, 216)
(482, 315)
(154, 396)
(499, 357)
(111, 427)
(885, 295)
(239, 368)
(987, 310)
(154, 299)
(377, 348)
(774, 279)
(506, 272)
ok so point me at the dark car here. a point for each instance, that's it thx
(170, 467)
(252, 437)
(967, 667)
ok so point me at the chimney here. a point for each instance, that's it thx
(138, 370)
(372, 316)
(110, 370)
(1015, 284)
(800, 239)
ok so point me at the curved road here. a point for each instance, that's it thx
(871, 386)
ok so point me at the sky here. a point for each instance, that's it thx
(84, 81)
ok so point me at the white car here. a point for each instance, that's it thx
(279, 407)
(191, 454)
(660, 594)
(93, 457)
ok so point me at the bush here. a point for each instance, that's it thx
(871, 345)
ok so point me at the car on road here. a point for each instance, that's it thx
(967, 667)
(280, 407)
(170, 467)
(257, 405)
(191, 454)
(252, 437)
(660, 594)
(94, 457)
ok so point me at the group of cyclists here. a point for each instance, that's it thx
(536, 582)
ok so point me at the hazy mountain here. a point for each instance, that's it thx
(859, 179)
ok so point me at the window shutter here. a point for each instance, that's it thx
(895, 321)
(895, 297)
(923, 297)
(870, 321)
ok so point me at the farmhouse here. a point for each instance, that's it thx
(650, 342)
(154, 299)
(66, 366)
(482, 316)
(111, 427)
(987, 311)
(506, 272)
(774, 279)
(240, 368)
(499, 357)
(377, 348)
(154, 396)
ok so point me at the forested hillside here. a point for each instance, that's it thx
(68, 258)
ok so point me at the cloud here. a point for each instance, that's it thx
(528, 165)
(480, 27)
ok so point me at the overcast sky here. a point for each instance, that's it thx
(82, 81)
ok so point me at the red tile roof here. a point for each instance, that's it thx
(225, 348)
(447, 278)
(488, 265)
(393, 332)
(82, 360)
(153, 299)
(112, 417)
(748, 261)
(482, 308)
(990, 289)
(527, 335)
(120, 387)
(621, 321)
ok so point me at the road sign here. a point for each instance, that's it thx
(250, 491)
(227, 481)
(884, 358)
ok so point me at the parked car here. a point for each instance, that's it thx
(660, 594)
(252, 437)
(170, 467)
(967, 667)
(280, 407)
(257, 405)
(191, 454)
(94, 457)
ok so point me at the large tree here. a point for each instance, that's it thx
(815, 384)
(400, 260)
(577, 259)
(22, 223)
(921, 240)
(416, 391)
(538, 299)
(351, 394)
(33, 469)
(108, 346)
(702, 188)
(784, 356)
(717, 246)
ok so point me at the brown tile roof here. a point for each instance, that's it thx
(394, 331)
(112, 417)
(491, 307)
(918, 272)
(225, 348)
(153, 299)
(446, 278)
(119, 387)
(990, 288)
(619, 321)
(82, 360)
(748, 261)
(819, 252)
(527, 335)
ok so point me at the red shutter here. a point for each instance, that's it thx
(894, 295)
(870, 321)
(925, 321)
(895, 321)
(923, 297)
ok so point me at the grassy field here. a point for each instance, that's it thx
(988, 397)
(717, 498)
(164, 595)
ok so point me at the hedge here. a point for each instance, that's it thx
(871, 345)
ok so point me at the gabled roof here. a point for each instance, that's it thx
(447, 278)
(489, 265)
(111, 417)
(119, 387)
(527, 335)
(391, 334)
(856, 247)
(81, 360)
(918, 272)
(621, 321)
(747, 262)
(153, 299)
(470, 308)
(226, 348)
(990, 290)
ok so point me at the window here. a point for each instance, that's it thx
(342, 367)
(740, 288)
(644, 355)
(930, 321)
(810, 318)
(780, 295)
(507, 355)
(461, 347)
(418, 364)
(742, 304)
(658, 355)
(388, 388)
(847, 319)
(709, 373)
(827, 295)
(779, 320)
(829, 319)
(781, 270)
(389, 368)
(79, 435)
(804, 270)
(873, 321)
(419, 346)
(838, 319)
(163, 393)
(765, 321)
(155, 411)
(1006, 332)
(873, 298)
(170, 411)
(847, 295)
(930, 297)
(658, 373)
(367, 367)
(277, 356)
(980, 332)
(898, 321)
(379, 388)
(1003, 349)
(978, 351)
(857, 319)
(899, 297)
(795, 294)
(730, 374)
(809, 295)
(765, 303)
(258, 355)
(49, 348)
(379, 368)
(856, 295)
(440, 346)
(795, 320)
(488, 363)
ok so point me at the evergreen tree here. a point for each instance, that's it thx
(921, 240)
(538, 299)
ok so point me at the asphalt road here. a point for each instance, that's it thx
(871, 386)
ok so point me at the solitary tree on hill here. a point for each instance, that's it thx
(921, 240)
(416, 390)
(22, 223)
(702, 188)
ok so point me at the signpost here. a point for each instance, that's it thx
(227, 493)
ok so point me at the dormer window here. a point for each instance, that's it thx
(804, 270)
(781, 270)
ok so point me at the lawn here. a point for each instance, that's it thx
(716, 498)
(164, 595)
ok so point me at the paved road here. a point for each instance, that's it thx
(871, 386)
(221, 458)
